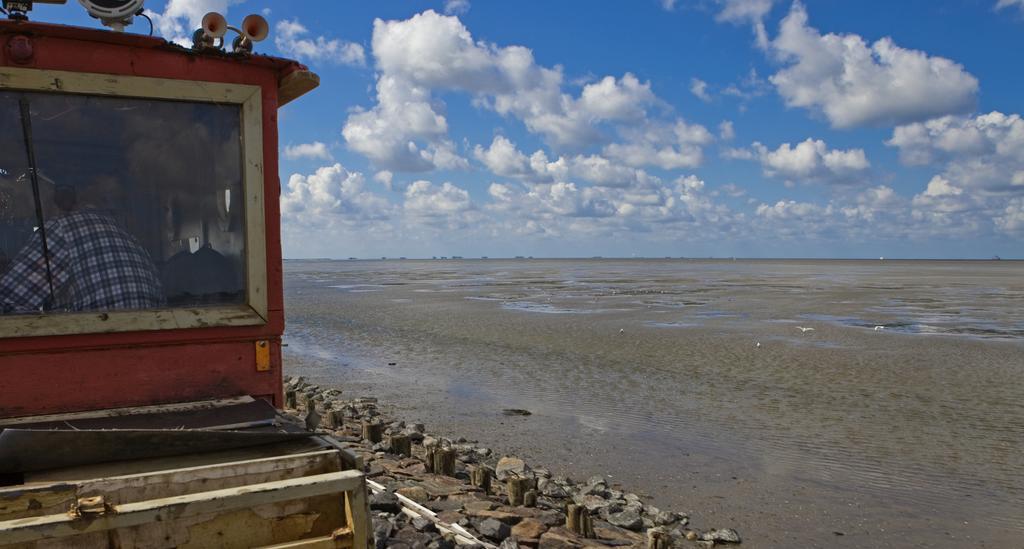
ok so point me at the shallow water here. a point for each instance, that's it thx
(897, 420)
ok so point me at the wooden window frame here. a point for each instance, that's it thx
(254, 311)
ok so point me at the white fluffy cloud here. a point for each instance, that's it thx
(853, 83)
(668, 146)
(1001, 4)
(431, 53)
(181, 18)
(331, 194)
(982, 167)
(699, 88)
(291, 41)
(810, 161)
(315, 149)
(747, 12)
(726, 131)
(457, 7)
(443, 205)
(505, 160)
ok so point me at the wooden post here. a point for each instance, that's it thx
(658, 538)
(373, 431)
(290, 400)
(400, 445)
(444, 462)
(577, 519)
(530, 498)
(335, 419)
(517, 488)
(481, 477)
(428, 460)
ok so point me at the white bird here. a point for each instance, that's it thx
(804, 330)
(758, 345)
(879, 328)
(622, 330)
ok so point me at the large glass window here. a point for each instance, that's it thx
(109, 203)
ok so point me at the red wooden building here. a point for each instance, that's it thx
(182, 146)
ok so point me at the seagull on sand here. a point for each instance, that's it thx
(804, 330)
(758, 345)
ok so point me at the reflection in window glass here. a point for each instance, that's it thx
(140, 202)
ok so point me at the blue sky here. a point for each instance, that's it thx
(754, 128)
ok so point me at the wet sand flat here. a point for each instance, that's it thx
(896, 420)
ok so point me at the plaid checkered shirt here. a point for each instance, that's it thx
(95, 265)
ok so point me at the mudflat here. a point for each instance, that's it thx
(820, 403)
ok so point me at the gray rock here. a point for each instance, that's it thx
(443, 543)
(725, 535)
(423, 525)
(511, 466)
(597, 479)
(592, 503)
(385, 501)
(493, 529)
(598, 489)
(627, 518)
(382, 529)
(663, 518)
(553, 490)
(509, 543)
(429, 442)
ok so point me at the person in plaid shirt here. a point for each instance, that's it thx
(94, 265)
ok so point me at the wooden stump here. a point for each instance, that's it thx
(658, 538)
(401, 445)
(291, 401)
(335, 419)
(517, 488)
(428, 459)
(530, 498)
(577, 519)
(444, 462)
(373, 432)
(481, 477)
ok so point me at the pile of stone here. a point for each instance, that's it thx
(432, 492)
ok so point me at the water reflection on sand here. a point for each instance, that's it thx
(651, 370)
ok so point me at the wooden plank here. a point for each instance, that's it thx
(254, 210)
(128, 321)
(175, 508)
(162, 484)
(142, 466)
(36, 501)
(124, 86)
(357, 515)
(129, 411)
(295, 85)
(337, 541)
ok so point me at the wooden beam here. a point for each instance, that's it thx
(295, 85)
(133, 488)
(336, 541)
(166, 510)
(130, 411)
